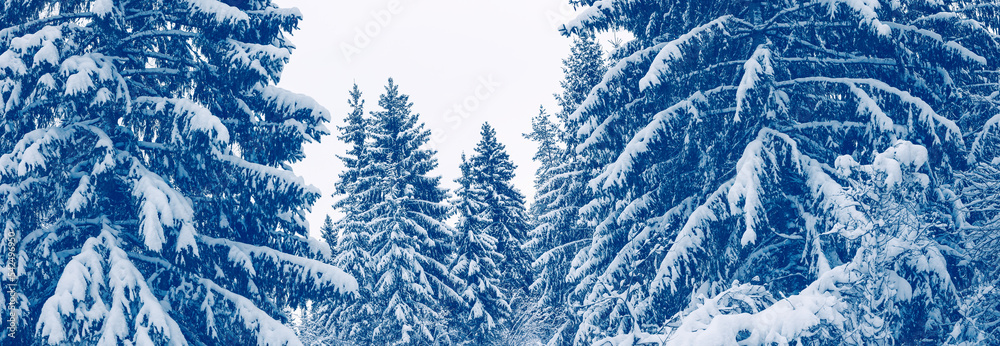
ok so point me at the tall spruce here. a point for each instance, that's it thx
(350, 317)
(477, 264)
(504, 212)
(803, 150)
(559, 234)
(412, 290)
(144, 155)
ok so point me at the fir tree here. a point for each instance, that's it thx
(477, 264)
(351, 317)
(412, 290)
(548, 155)
(329, 232)
(506, 219)
(733, 141)
(144, 174)
(559, 233)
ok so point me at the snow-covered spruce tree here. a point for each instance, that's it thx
(503, 211)
(718, 132)
(477, 265)
(144, 174)
(350, 317)
(328, 231)
(412, 290)
(547, 136)
(561, 191)
(978, 191)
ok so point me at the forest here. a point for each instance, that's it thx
(736, 172)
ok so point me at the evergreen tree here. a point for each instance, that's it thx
(806, 148)
(559, 233)
(354, 133)
(506, 219)
(412, 290)
(144, 173)
(350, 318)
(548, 155)
(477, 264)
(328, 231)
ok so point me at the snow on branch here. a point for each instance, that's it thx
(615, 72)
(952, 46)
(303, 270)
(222, 12)
(189, 117)
(866, 9)
(616, 173)
(672, 51)
(161, 205)
(783, 322)
(88, 298)
(33, 151)
(690, 240)
(80, 71)
(267, 179)
(990, 130)
(754, 69)
(13, 58)
(927, 117)
(266, 60)
(287, 102)
(269, 332)
(597, 11)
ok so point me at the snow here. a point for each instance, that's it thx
(593, 13)
(20, 46)
(867, 10)
(269, 178)
(616, 173)
(955, 47)
(307, 270)
(927, 117)
(992, 126)
(80, 71)
(81, 297)
(80, 196)
(197, 117)
(782, 323)
(850, 222)
(689, 239)
(102, 7)
(269, 331)
(222, 12)
(881, 121)
(252, 56)
(288, 102)
(892, 161)
(672, 51)
(759, 64)
(904, 291)
(616, 71)
(745, 194)
(160, 205)
(13, 63)
(31, 151)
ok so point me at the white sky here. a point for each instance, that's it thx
(442, 53)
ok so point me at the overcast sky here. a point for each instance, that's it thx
(463, 62)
